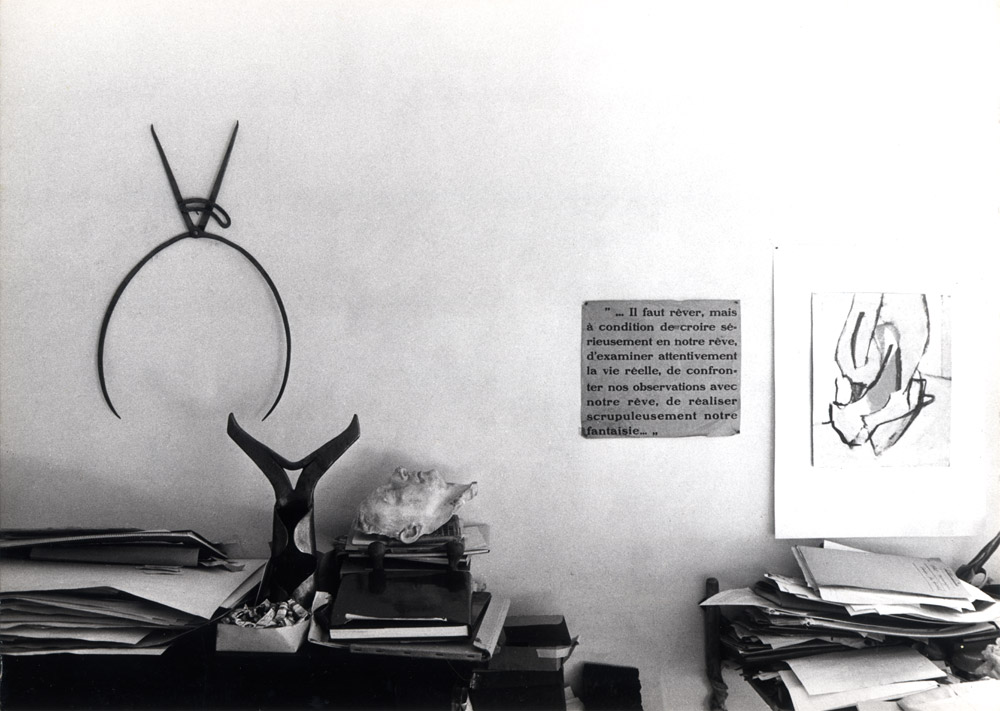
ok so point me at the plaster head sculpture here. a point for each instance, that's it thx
(412, 504)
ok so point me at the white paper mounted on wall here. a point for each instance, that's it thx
(883, 409)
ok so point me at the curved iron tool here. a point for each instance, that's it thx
(293, 539)
(974, 567)
(209, 209)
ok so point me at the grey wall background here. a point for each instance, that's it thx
(436, 188)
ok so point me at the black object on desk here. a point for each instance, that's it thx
(608, 687)
(293, 536)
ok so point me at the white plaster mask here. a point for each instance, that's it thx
(412, 504)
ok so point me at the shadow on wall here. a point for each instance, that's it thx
(54, 496)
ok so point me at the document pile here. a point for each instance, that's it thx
(112, 591)
(856, 627)
(415, 599)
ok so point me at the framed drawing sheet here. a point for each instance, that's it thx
(885, 414)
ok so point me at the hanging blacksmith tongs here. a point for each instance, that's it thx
(209, 209)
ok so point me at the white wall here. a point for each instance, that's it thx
(436, 188)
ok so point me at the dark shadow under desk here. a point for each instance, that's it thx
(191, 675)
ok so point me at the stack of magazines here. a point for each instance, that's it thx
(113, 591)
(417, 599)
(855, 627)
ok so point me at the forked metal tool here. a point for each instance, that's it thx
(208, 209)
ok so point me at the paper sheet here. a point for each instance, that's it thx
(737, 596)
(803, 701)
(858, 669)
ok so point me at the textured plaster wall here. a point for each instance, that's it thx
(436, 188)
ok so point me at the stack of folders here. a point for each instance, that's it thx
(113, 591)
(415, 599)
(857, 627)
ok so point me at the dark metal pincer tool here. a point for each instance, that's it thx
(209, 209)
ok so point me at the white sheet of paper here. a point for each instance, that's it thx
(859, 669)
(803, 701)
(737, 596)
(872, 501)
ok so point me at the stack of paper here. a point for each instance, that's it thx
(839, 679)
(106, 608)
(849, 606)
(120, 545)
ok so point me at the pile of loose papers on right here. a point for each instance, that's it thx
(857, 627)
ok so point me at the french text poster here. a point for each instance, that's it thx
(660, 368)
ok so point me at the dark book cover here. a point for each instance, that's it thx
(404, 595)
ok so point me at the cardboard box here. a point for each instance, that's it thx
(272, 640)
(534, 643)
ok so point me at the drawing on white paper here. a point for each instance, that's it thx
(881, 379)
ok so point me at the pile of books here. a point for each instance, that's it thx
(113, 591)
(855, 627)
(416, 599)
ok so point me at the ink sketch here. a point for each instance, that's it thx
(881, 379)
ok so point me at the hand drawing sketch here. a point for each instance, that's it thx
(881, 379)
